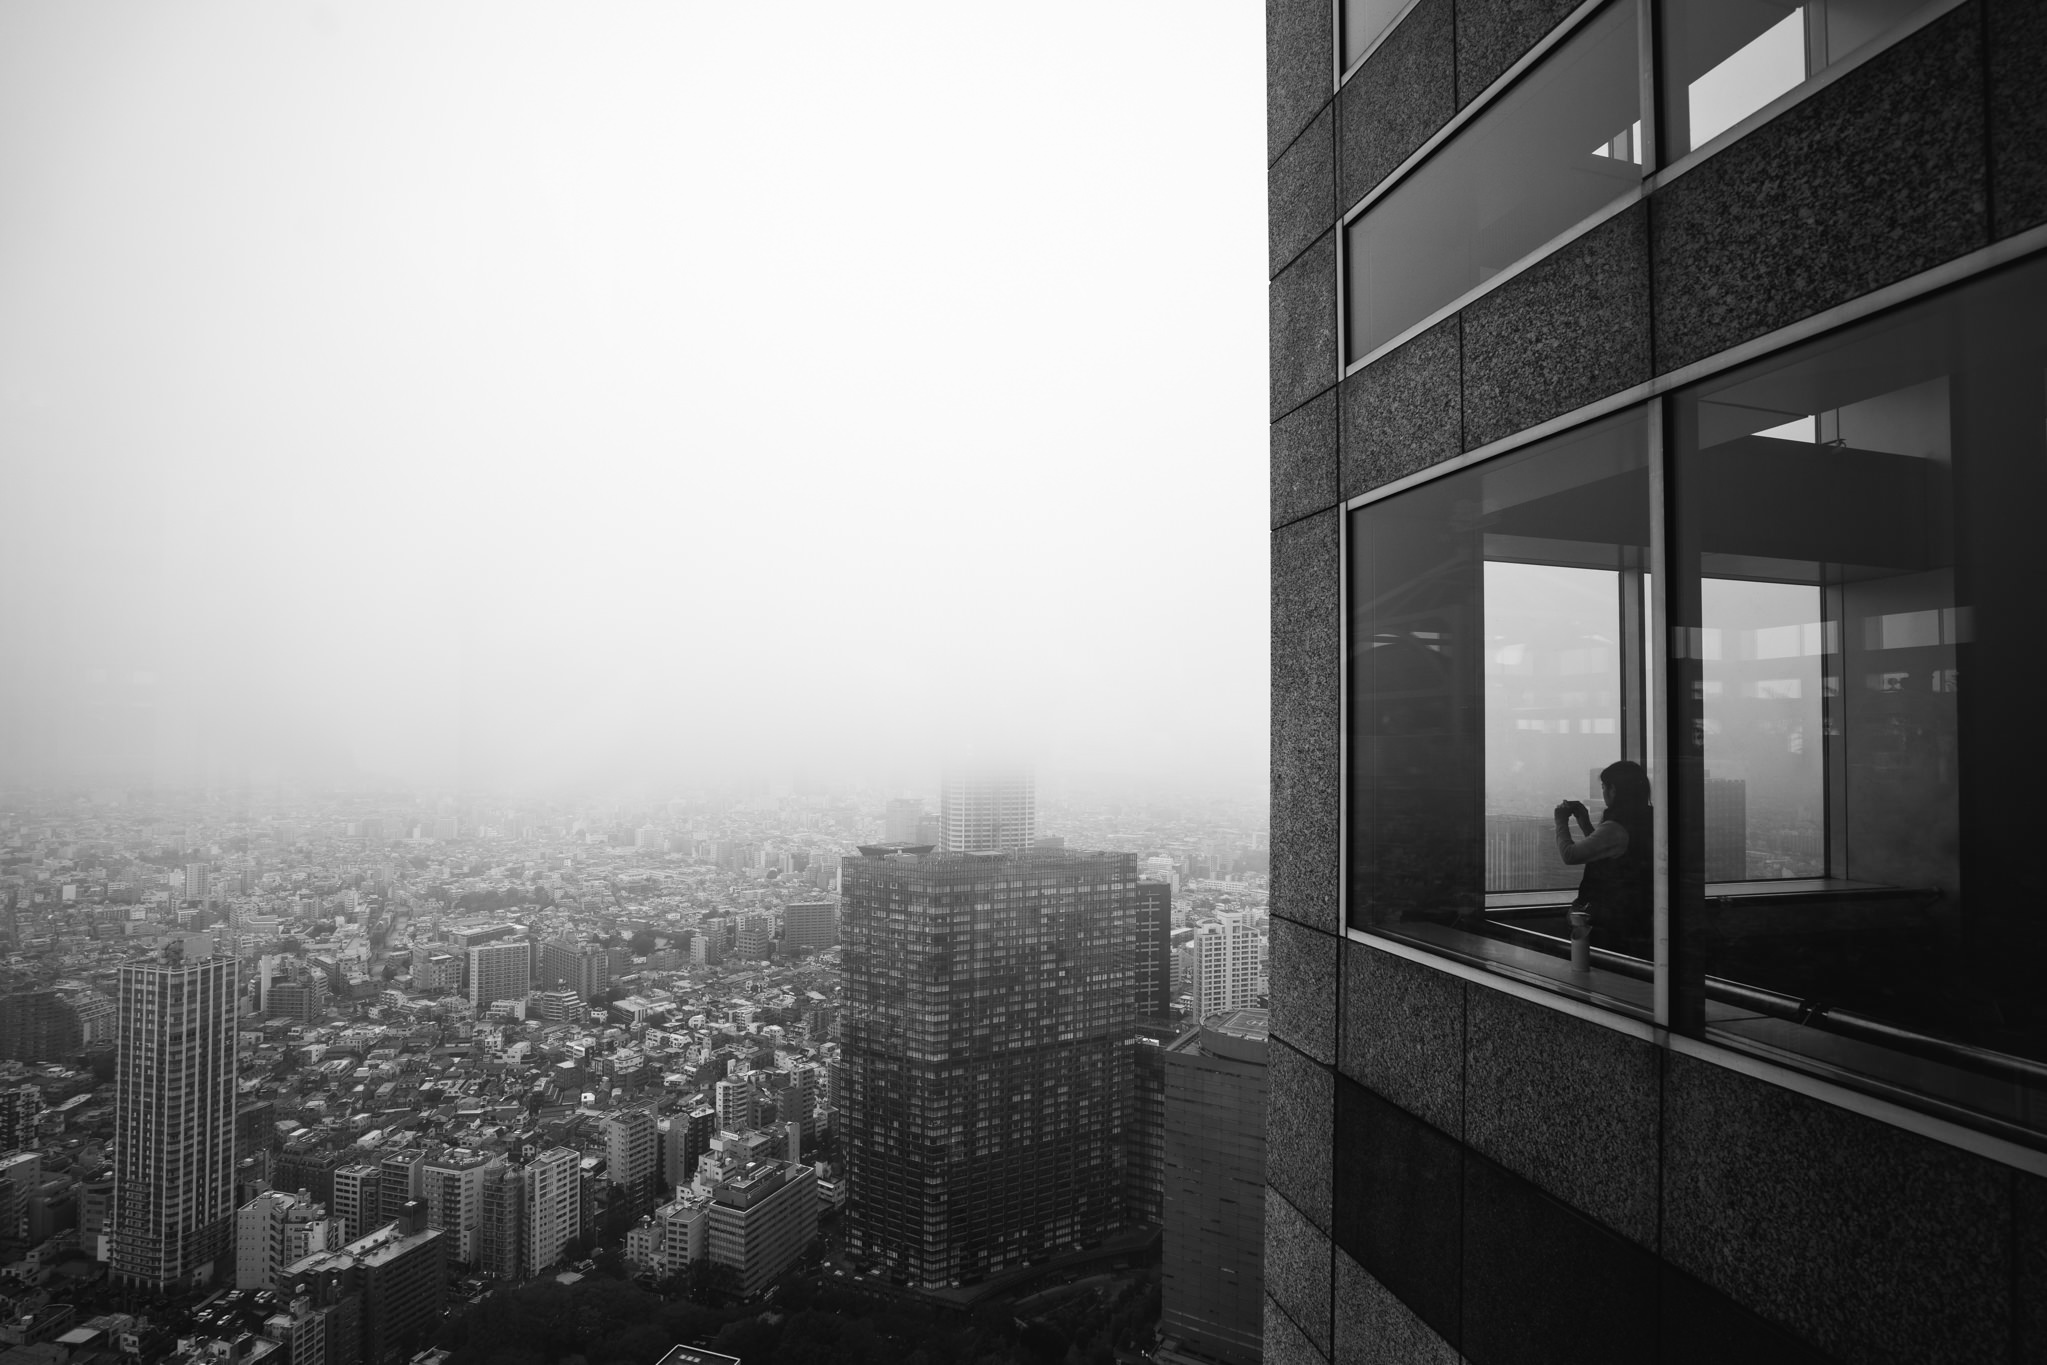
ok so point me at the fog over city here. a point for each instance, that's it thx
(528, 396)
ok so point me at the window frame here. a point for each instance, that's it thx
(1877, 1097)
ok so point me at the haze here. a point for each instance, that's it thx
(512, 396)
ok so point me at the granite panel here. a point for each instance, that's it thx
(1300, 1131)
(1876, 177)
(1873, 1243)
(1493, 34)
(1398, 1204)
(1300, 192)
(1572, 328)
(1543, 1283)
(1304, 460)
(1303, 308)
(1403, 1033)
(1373, 1327)
(1304, 989)
(1405, 410)
(2029, 1263)
(1297, 1269)
(1569, 1105)
(1307, 643)
(2018, 115)
(1284, 1343)
(1404, 92)
(1300, 60)
(1699, 1325)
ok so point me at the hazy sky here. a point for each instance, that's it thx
(535, 393)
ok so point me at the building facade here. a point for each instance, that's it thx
(174, 1121)
(553, 1201)
(500, 971)
(986, 1055)
(1211, 1281)
(1655, 383)
(987, 809)
(1153, 978)
(1222, 964)
(810, 924)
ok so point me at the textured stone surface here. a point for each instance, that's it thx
(1398, 1200)
(1304, 460)
(2018, 115)
(1297, 1268)
(1300, 1131)
(1284, 1342)
(1570, 329)
(1493, 34)
(1307, 644)
(1404, 92)
(1405, 410)
(1403, 1034)
(1299, 68)
(1304, 989)
(1303, 307)
(2029, 1278)
(1870, 1241)
(1567, 1104)
(1872, 179)
(1300, 192)
(1373, 1327)
(1542, 1283)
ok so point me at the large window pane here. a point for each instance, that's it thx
(1725, 59)
(1496, 668)
(1859, 609)
(1363, 22)
(1562, 144)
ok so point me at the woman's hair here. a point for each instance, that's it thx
(1630, 788)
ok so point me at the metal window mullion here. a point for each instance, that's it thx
(1656, 732)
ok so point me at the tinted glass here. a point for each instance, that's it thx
(1495, 650)
(1725, 59)
(1559, 146)
(1858, 607)
(1363, 22)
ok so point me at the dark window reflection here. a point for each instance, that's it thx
(1496, 668)
(1857, 703)
(1562, 144)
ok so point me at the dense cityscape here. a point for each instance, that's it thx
(312, 1079)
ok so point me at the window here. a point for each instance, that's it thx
(1496, 668)
(1362, 21)
(1559, 146)
(1725, 59)
(1857, 611)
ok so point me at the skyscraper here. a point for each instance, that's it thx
(1212, 1282)
(988, 809)
(986, 1055)
(174, 1121)
(1223, 964)
(631, 1153)
(810, 924)
(500, 971)
(553, 1206)
(1153, 978)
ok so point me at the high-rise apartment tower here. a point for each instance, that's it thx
(988, 809)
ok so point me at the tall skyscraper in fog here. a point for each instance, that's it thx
(174, 1121)
(1223, 964)
(988, 809)
(1212, 1276)
(986, 1055)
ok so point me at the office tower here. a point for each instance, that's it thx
(452, 1187)
(195, 881)
(738, 1104)
(1144, 1130)
(1726, 829)
(500, 971)
(1213, 1245)
(899, 824)
(397, 1280)
(357, 1200)
(1590, 363)
(554, 1206)
(584, 968)
(174, 1121)
(631, 1153)
(985, 1091)
(1152, 979)
(501, 1241)
(756, 934)
(21, 1107)
(810, 924)
(762, 1215)
(988, 809)
(1223, 964)
(38, 1026)
(687, 1138)
(401, 1180)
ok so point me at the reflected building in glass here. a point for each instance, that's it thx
(1659, 389)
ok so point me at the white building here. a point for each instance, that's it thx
(554, 1203)
(1223, 964)
(988, 809)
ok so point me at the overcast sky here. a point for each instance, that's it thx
(578, 393)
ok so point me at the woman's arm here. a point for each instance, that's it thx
(1610, 840)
